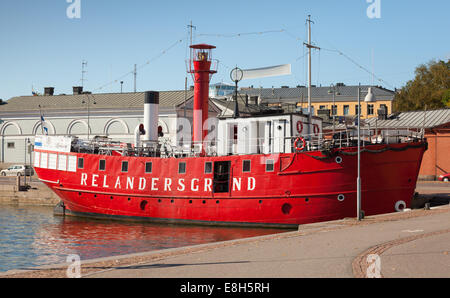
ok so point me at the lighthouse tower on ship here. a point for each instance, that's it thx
(200, 68)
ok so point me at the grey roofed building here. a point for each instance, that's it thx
(117, 115)
(405, 120)
(114, 101)
(414, 119)
(318, 94)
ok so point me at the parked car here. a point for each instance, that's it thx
(18, 170)
(445, 177)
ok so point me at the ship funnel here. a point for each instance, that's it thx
(200, 68)
(151, 111)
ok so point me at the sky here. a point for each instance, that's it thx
(44, 42)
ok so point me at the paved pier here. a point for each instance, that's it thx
(409, 244)
(413, 243)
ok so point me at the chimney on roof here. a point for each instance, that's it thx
(77, 90)
(49, 91)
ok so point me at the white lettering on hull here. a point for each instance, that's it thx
(156, 184)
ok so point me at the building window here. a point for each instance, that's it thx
(246, 166)
(102, 165)
(124, 166)
(269, 165)
(333, 110)
(148, 167)
(208, 167)
(182, 168)
(369, 109)
(11, 145)
(322, 107)
(357, 111)
(346, 109)
(81, 163)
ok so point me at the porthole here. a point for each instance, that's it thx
(338, 159)
(286, 208)
(341, 198)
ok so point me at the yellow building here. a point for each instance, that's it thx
(339, 100)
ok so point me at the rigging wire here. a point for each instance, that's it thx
(162, 53)
(359, 65)
(240, 34)
(234, 35)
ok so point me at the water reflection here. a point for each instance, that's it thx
(32, 236)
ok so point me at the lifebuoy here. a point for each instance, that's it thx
(316, 129)
(400, 206)
(299, 127)
(296, 144)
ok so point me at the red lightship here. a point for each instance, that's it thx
(273, 170)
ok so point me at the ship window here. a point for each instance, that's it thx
(124, 166)
(148, 167)
(102, 165)
(208, 167)
(246, 166)
(182, 168)
(81, 163)
(269, 165)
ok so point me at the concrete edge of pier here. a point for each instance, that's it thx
(102, 267)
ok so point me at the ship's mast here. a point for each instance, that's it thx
(309, 46)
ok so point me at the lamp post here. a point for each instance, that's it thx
(370, 97)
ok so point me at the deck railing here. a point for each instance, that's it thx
(320, 141)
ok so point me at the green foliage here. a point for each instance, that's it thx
(446, 98)
(430, 88)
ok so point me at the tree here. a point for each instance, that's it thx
(430, 88)
(446, 98)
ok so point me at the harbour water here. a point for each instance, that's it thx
(32, 236)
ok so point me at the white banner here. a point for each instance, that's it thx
(271, 71)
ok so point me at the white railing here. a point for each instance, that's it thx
(320, 141)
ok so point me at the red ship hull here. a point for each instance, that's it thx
(300, 188)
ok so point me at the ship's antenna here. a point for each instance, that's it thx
(83, 65)
(190, 27)
(309, 46)
(190, 41)
(135, 75)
